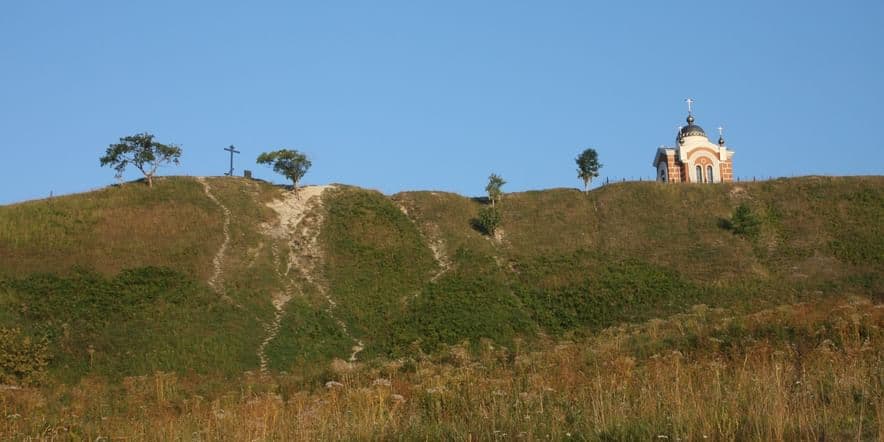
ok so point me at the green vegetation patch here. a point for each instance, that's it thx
(858, 238)
(473, 302)
(140, 321)
(585, 289)
(375, 259)
(308, 338)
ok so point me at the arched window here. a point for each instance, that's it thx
(709, 175)
(699, 174)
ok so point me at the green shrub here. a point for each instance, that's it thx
(488, 220)
(744, 222)
(23, 359)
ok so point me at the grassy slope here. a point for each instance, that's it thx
(567, 262)
(376, 260)
(117, 278)
(112, 229)
(631, 252)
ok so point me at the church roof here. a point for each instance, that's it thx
(661, 154)
(691, 130)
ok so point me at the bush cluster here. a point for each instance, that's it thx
(488, 220)
(23, 359)
(743, 222)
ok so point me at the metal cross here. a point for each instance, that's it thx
(720, 131)
(232, 151)
(690, 102)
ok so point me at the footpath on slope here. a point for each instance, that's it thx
(215, 281)
(300, 234)
(434, 240)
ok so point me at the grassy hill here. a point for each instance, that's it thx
(121, 283)
(126, 267)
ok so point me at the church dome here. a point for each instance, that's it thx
(691, 130)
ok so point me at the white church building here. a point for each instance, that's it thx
(694, 159)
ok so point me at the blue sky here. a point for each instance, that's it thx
(436, 95)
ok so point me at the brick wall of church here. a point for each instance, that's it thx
(672, 170)
(727, 171)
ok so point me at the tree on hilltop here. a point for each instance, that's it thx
(288, 163)
(495, 182)
(588, 167)
(141, 151)
(489, 216)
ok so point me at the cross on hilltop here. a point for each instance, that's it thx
(232, 151)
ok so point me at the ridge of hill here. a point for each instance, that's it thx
(120, 281)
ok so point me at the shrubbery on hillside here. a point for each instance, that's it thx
(743, 222)
(140, 321)
(23, 359)
(488, 220)
(586, 289)
(461, 306)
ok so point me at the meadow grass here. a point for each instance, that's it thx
(796, 372)
(112, 229)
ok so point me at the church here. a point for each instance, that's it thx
(694, 159)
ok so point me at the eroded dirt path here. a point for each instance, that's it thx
(297, 258)
(215, 281)
(433, 237)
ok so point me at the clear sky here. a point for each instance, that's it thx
(436, 95)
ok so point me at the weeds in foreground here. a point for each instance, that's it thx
(795, 372)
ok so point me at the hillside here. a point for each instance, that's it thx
(125, 268)
(207, 279)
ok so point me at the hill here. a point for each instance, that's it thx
(210, 278)
(129, 267)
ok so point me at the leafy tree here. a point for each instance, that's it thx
(288, 163)
(588, 167)
(143, 152)
(488, 220)
(495, 182)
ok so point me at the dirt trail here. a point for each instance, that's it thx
(215, 281)
(431, 234)
(298, 231)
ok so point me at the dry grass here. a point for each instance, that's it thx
(112, 229)
(797, 372)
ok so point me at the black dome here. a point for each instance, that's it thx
(691, 129)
